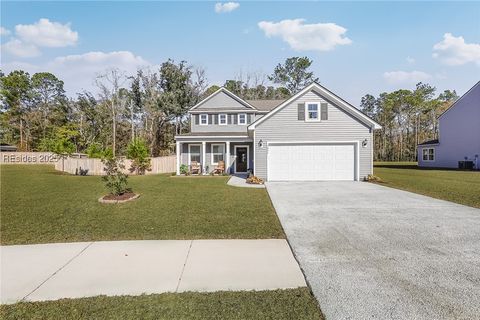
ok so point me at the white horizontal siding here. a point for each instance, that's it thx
(285, 126)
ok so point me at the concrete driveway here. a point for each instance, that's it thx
(372, 252)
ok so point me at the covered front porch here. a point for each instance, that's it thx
(236, 152)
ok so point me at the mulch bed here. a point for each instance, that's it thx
(111, 198)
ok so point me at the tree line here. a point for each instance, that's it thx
(408, 117)
(151, 106)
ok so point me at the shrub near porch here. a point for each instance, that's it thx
(41, 205)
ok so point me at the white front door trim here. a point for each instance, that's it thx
(356, 145)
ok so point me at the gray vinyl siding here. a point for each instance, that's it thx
(285, 126)
(222, 101)
(208, 154)
(213, 126)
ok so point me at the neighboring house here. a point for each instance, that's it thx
(314, 135)
(458, 136)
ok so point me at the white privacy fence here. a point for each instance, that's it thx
(94, 167)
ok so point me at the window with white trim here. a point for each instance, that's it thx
(312, 111)
(218, 151)
(428, 154)
(222, 119)
(242, 118)
(203, 119)
(193, 153)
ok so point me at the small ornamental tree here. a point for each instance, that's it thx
(137, 151)
(115, 180)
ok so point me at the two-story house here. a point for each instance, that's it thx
(313, 135)
(458, 135)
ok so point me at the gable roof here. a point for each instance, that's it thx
(329, 96)
(227, 92)
(459, 99)
(265, 105)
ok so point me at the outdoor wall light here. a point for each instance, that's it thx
(364, 143)
(260, 143)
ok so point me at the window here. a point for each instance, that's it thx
(242, 118)
(203, 119)
(217, 153)
(311, 112)
(193, 153)
(222, 119)
(428, 154)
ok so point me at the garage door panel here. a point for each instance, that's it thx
(311, 162)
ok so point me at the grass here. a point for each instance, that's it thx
(447, 184)
(41, 205)
(278, 304)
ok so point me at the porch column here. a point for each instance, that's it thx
(178, 149)
(203, 156)
(227, 157)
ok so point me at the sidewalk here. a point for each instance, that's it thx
(75, 270)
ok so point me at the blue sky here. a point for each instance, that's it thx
(357, 47)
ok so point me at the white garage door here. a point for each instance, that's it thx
(311, 162)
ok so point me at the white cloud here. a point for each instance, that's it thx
(226, 7)
(4, 31)
(18, 48)
(79, 71)
(455, 51)
(405, 77)
(301, 36)
(45, 33)
(410, 60)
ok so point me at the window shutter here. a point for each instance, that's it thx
(196, 117)
(215, 118)
(235, 118)
(210, 119)
(249, 118)
(324, 111)
(301, 111)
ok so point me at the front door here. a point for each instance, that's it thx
(241, 163)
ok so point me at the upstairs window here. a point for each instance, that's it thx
(311, 112)
(242, 118)
(203, 119)
(222, 119)
(428, 154)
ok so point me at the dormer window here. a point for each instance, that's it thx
(204, 119)
(242, 118)
(222, 119)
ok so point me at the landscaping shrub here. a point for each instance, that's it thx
(373, 178)
(115, 180)
(183, 169)
(254, 180)
(137, 151)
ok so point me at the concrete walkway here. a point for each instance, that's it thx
(240, 180)
(75, 270)
(373, 252)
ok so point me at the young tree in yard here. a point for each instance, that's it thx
(137, 151)
(115, 180)
(293, 74)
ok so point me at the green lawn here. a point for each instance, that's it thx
(279, 304)
(457, 186)
(41, 205)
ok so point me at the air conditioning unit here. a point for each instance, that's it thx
(465, 164)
